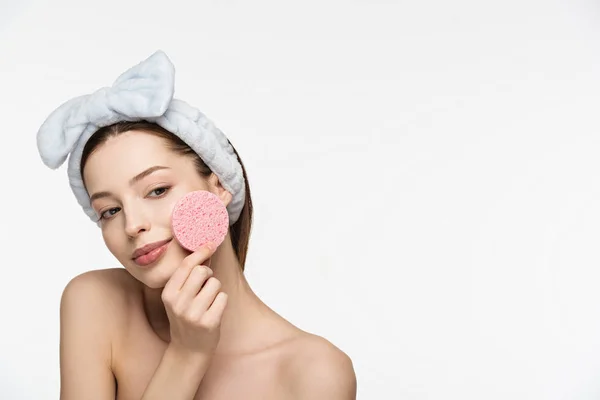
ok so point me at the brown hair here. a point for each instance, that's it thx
(240, 230)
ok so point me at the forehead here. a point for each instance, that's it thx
(127, 154)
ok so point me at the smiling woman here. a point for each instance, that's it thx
(171, 324)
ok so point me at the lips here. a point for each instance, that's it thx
(148, 248)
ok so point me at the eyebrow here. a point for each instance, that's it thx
(132, 181)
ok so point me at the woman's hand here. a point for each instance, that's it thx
(194, 304)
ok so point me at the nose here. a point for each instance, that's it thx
(136, 223)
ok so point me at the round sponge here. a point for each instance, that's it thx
(199, 217)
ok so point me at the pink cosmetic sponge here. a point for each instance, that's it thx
(199, 217)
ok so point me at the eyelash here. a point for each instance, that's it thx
(166, 189)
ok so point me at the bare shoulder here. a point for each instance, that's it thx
(317, 369)
(115, 281)
(101, 291)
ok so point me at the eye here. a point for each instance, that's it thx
(110, 211)
(161, 190)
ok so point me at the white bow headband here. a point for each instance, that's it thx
(144, 92)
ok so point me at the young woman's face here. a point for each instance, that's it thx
(137, 212)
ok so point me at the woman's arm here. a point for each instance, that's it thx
(194, 304)
(85, 347)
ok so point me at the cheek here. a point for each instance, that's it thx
(165, 209)
(158, 214)
(111, 242)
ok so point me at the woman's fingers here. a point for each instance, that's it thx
(199, 275)
(181, 274)
(212, 317)
(200, 256)
(207, 295)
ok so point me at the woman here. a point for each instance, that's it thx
(171, 324)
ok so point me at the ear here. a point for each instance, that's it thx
(218, 189)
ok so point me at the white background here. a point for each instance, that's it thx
(425, 176)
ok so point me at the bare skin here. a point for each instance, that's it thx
(115, 329)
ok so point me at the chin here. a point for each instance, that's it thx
(155, 284)
(154, 276)
(154, 279)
